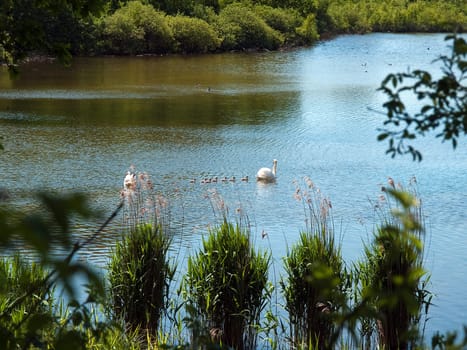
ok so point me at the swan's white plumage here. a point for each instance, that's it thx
(267, 174)
(129, 181)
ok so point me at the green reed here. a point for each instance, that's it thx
(21, 324)
(226, 282)
(315, 275)
(140, 275)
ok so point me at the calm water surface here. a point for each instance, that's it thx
(179, 118)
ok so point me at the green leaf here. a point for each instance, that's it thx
(382, 136)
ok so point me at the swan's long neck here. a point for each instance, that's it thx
(274, 167)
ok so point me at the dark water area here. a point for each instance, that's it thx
(315, 110)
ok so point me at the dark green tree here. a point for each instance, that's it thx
(25, 27)
(442, 103)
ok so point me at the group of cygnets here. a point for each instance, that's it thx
(216, 179)
(263, 175)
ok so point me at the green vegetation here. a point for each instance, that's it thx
(315, 282)
(16, 277)
(226, 283)
(140, 276)
(391, 278)
(90, 27)
(193, 35)
(241, 28)
(136, 29)
(28, 317)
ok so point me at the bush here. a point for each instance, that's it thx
(241, 29)
(350, 17)
(393, 278)
(137, 28)
(226, 282)
(308, 31)
(193, 35)
(396, 16)
(140, 276)
(282, 20)
(205, 13)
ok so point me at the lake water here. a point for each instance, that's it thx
(179, 118)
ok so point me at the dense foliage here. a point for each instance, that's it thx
(31, 27)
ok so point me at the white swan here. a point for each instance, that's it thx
(129, 182)
(266, 174)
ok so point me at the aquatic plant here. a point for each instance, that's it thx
(315, 276)
(140, 275)
(142, 204)
(226, 283)
(19, 321)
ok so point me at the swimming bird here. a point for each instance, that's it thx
(245, 178)
(266, 174)
(129, 182)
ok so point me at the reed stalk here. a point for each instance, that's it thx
(226, 282)
(140, 275)
(314, 283)
(22, 326)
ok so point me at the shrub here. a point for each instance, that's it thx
(241, 29)
(226, 282)
(205, 13)
(392, 278)
(282, 20)
(308, 31)
(350, 17)
(137, 28)
(193, 35)
(435, 16)
(140, 275)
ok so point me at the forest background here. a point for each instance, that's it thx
(34, 28)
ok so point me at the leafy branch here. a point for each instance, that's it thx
(443, 103)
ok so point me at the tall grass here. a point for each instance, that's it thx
(314, 283)
(21, 325)
(226, 282)
(143, 204)
(140, 275)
